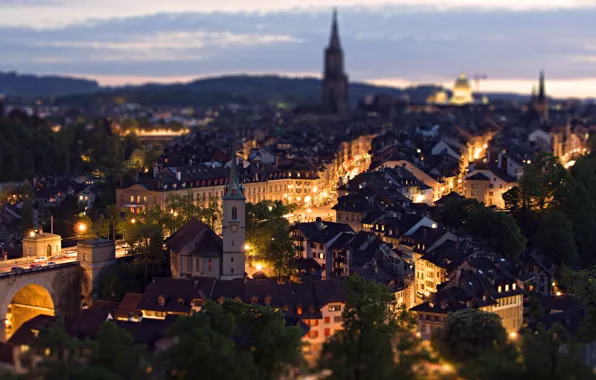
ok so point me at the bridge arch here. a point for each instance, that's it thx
(28, 297)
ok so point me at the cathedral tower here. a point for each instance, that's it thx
(335, 80)
(234, 225)
(541, 103)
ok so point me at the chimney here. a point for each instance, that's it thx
(178, 175)
(319, 223)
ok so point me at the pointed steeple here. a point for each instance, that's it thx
(541, 91)
(234, 189)
(334, 42)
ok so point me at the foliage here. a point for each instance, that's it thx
(83, 146)
(469, 333)
(582, 285)
(377, 341)
(550, 354)
(498, 229)
(541, 181)
(182, 208)
(554, 238)
(232, 341)
(456, 211)
(111, 356)
(267, 235)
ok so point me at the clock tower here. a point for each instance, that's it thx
(234, 226)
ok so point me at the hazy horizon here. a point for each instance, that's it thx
(394, 43)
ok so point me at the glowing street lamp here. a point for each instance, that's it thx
(32, 234)
(133, 220)
(246, 247)
(81, 228)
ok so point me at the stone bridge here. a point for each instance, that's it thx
(32, 292)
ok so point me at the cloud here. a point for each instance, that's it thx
(63, 12)
(413, 46)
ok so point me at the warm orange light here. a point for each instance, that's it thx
(133, 220)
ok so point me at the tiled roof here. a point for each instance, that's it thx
(129, 305)
(177, 295)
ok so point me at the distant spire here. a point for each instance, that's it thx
(234, 190)
(541, 91)
(334, 42)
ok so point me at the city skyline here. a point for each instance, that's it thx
(396, 44)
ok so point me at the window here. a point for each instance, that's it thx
(198, 265)
(254, 300)
(161, 301)
(231, 270)
(337, 319)
(322, 256)
(299, 310)
(154, 200)
(81, 197)
(490, 186)
(132, 199)
(234, 213)
(232, 259)
(313, 334)
(333, 308)
(85, 256)
(180, 302)
(210, 265)
(327, 332)
(490, 193)
(327, 320)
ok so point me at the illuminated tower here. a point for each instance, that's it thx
(335, 80)
(234, 225)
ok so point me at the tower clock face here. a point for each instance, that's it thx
(234, 227)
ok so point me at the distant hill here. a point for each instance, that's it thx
(26, 85)
(243, 89)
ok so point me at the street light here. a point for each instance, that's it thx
(133, 220)
(81, 228)
(32, 234)
(246, 247)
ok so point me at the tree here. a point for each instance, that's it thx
(267, 235)
(231, 341)
(456, 211)
(551, 354)
(541, 181)
(513, 199)
(468, 334)
(111, 356)
(373, 330)
(554, 238)
(114, 350)
(498, 229)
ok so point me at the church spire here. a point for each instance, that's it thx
(541, 91)
(234, 190)
(334, 42)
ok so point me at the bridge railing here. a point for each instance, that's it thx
(38, 269)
